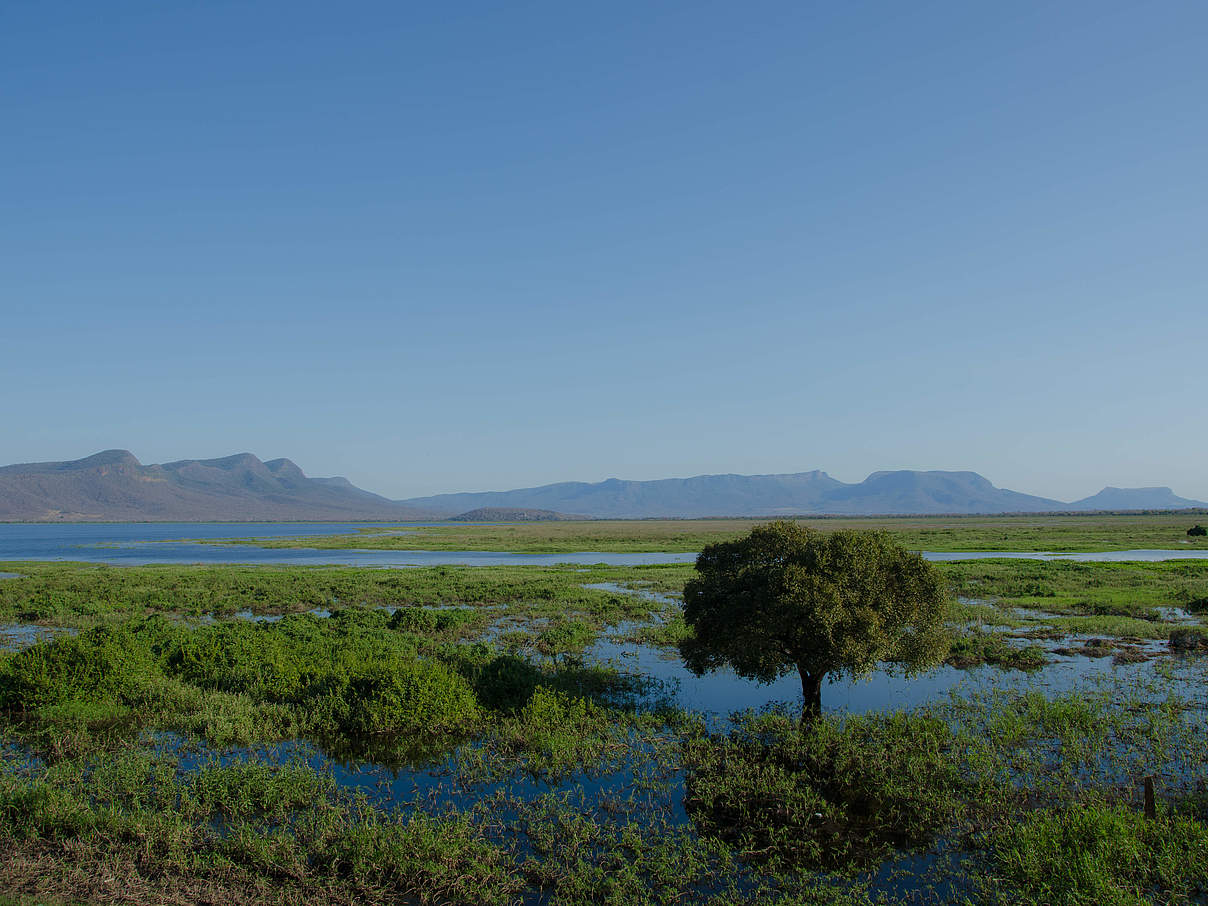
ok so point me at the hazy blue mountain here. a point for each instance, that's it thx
(513, 514)
(114, 485)
(758, 495)
(704, 495)
(930, 492)
(888, 493)
(1135, 499)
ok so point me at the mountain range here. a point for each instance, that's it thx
(881, 493)
(115, 486)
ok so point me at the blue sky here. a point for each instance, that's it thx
(468, 246)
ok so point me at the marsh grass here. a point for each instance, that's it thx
(1056, 533)
(80, 594)
(973, 649)
(399, 752)
(1101, 853)
(1063, 588)
(658, 810)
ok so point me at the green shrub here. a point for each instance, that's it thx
(565, 637)
(427, 620)
(96, 665)
(554, 722)
(408, 696)
(261, 660)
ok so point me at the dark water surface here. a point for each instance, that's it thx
(139, 544)
(721, 692)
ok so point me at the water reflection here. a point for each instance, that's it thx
(719, 693)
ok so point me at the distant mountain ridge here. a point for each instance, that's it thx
(114, 486)
(514, 514)
(902, 492)
(1135, 499)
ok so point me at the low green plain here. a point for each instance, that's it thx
(1068, 534)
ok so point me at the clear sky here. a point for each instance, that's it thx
(438, 247)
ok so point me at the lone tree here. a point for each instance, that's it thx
(787, 598)
(1197, 531)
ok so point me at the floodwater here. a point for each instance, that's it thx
(15, 636)
(1097, 557)
(721, 692)
(140, 544)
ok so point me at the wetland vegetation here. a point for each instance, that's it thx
(185, 734)
(1024, 533)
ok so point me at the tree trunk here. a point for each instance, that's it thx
(811, 690)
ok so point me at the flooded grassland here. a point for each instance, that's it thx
(528, 734)
(1021, 533)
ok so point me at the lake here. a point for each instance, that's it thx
(140, 544)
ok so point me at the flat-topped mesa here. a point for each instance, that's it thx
(1156, 498)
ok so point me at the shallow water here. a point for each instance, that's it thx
(15, 636)
(140, 544)
(435, 783)
(718, 694)
(321, 612)
(637, 591)
(1096, 557)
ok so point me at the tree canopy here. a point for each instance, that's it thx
(786, 597)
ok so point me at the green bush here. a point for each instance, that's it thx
(565, 637)
(554, 722)
(245, 658)
(96, 665)
(408, 696)
(427, 620)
